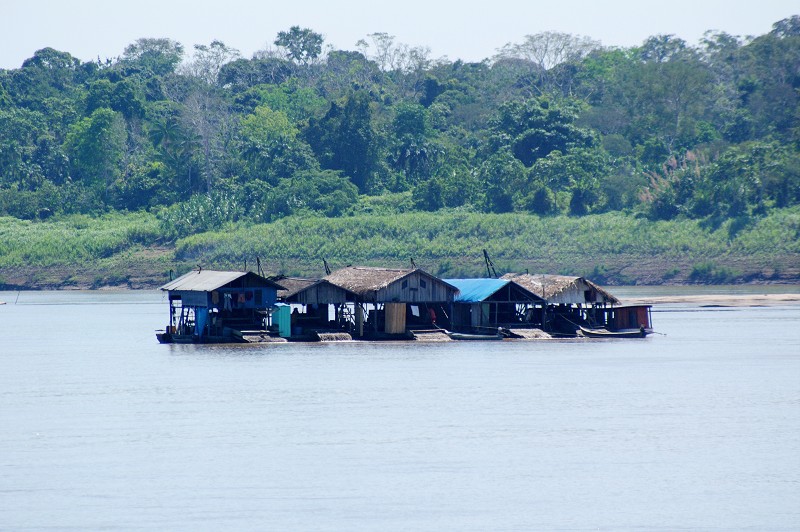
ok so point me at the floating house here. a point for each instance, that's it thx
(317, 309)
(484, 305)
(207, 306)
(577, 306)
(389, 302)
(564, 289)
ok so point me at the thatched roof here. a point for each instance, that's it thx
(562, 288)
(296, 285)
(365, 281)
(292, 285)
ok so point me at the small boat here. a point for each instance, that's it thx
(622, 333)
(466, 336)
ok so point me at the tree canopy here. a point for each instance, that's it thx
(555, 124)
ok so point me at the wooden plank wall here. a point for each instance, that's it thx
(395, 318)
(416, 288)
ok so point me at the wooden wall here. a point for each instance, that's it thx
(395, 318)
(416, 288)
(321, 294)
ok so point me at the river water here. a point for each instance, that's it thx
(101, 427)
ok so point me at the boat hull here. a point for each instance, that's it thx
(478, 337)
(605, 333)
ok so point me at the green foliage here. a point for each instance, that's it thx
(555, 125)
(30, 204)
(537, 127)
(73, 240)
(345, 139)
(157, 57)
(324, 193)
(711, 273)
(201, 213)
(96, 146)
(459, 237)
(271, 147)
(447, 242)
(302, 45)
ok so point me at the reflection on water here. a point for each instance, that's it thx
(694, 428)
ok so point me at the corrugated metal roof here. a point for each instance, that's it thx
(476, 290)
(208, 280)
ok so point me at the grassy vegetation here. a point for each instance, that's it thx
(612, 248)
(74, 239)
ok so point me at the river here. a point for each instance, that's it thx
(101, 427)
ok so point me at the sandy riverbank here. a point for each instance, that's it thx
(720, 300)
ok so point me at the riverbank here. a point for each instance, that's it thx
(133, 251)
(719, 300)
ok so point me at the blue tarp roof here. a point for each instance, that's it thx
(476, 290)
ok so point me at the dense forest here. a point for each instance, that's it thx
(556, 125)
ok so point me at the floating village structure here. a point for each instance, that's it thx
(483, 306)
(369, 303)
(315, 309)
(391, 302)
(208, 306)
(577, 306)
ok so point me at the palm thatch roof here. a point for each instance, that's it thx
(317, 291)
(363, 280)
(292, 285)
(563, 288)
(366, 281)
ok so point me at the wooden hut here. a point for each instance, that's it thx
(321, 310)
(572, 302)
(218, 306)
(394, 297)
(563, 289)
(486, 304)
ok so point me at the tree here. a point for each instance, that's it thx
(19, 132)
(272, 148)
(242, 74)
(660, 102)
(413, 153)
(175, 147)
(578, 172)
(664, 48)
(385, 50)
(302, 44)
(346, 71)
(325, 192)
(157, 57)
(48, 74)
(769, 91)
(536, 127)
(208, 60)
(344, 139)
(96, 146)
(545, 52)
(503, 176)
(122, 97)
(539, 199)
